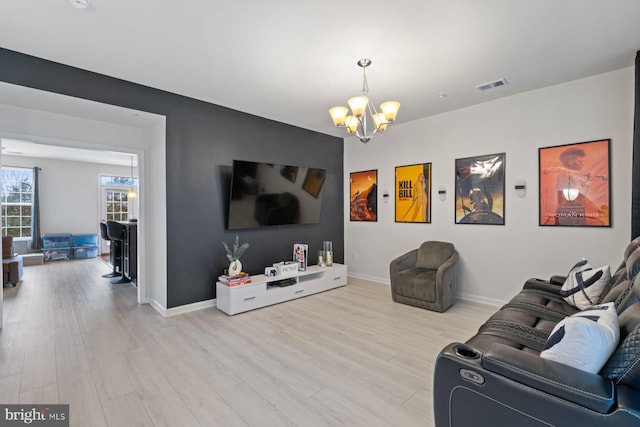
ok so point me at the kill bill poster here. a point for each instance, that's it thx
(413, 193)
(363, 195)
(575, 189)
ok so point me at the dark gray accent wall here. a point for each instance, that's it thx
(202, 141)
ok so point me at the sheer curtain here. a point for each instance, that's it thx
(36, 242)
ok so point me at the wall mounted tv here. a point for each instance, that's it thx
(266, 194)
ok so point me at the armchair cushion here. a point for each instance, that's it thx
(432, 255)
(418, 283)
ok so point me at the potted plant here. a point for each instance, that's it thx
(234, 254)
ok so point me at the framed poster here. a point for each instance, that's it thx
(313, 181)
(480, 190)
(363, 196)
(575, 189)
(289, 172)
(413, 193)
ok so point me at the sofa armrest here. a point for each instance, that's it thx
(552, 287)
(557, 280)
(585, 389)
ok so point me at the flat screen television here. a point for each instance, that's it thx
(266, 194)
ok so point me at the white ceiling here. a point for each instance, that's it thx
(291, 60)
(23, 97)
(13, 147)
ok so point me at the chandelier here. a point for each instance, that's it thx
(359, 123)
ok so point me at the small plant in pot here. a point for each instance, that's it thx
(234, 254)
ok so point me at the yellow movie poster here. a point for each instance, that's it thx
(413, 193)
(363, 194)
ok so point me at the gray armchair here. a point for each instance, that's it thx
(426, 277)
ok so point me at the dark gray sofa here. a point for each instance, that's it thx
(497, 378)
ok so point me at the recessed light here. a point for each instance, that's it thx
(80, 4)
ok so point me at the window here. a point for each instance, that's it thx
(118, 181)
(116, 203)
(17, 197)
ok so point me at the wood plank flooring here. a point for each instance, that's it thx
(346, 357)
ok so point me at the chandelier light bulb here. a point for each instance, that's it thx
(352, 124)
(358, 105)
(339, 115)
(380, 121)
(390, 110)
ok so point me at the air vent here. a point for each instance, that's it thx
(491, 85)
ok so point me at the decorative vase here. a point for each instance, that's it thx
(235, 268)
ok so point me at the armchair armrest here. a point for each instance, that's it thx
(403, 262)
(446, 267)
(583, 388)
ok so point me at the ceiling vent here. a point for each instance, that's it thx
(494, 84)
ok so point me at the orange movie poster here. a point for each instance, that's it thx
(574, 184)
(363, 196)
(413, 193)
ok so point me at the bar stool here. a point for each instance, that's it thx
(116, 233)
(112, 252)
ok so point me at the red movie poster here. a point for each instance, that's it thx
(575, 185)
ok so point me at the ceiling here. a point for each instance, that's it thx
(13, 147)
(291, 61)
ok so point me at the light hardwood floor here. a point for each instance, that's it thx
(348, 357)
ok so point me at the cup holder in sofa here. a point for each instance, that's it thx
(466, 352)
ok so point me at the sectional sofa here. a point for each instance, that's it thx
(541, 360)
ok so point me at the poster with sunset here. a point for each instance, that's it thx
(363, 195)
(575, 189)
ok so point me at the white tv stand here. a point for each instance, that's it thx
(261, 292)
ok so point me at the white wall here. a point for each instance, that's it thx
(148, 143)
(496, 260)
(69, 192)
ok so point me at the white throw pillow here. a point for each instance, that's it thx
(586, 339)
(583, 288)
(581, 265)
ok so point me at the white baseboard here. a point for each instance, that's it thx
(482, 300)
(369, 278)
(157, 306)
(463, 296)
(187, 308)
